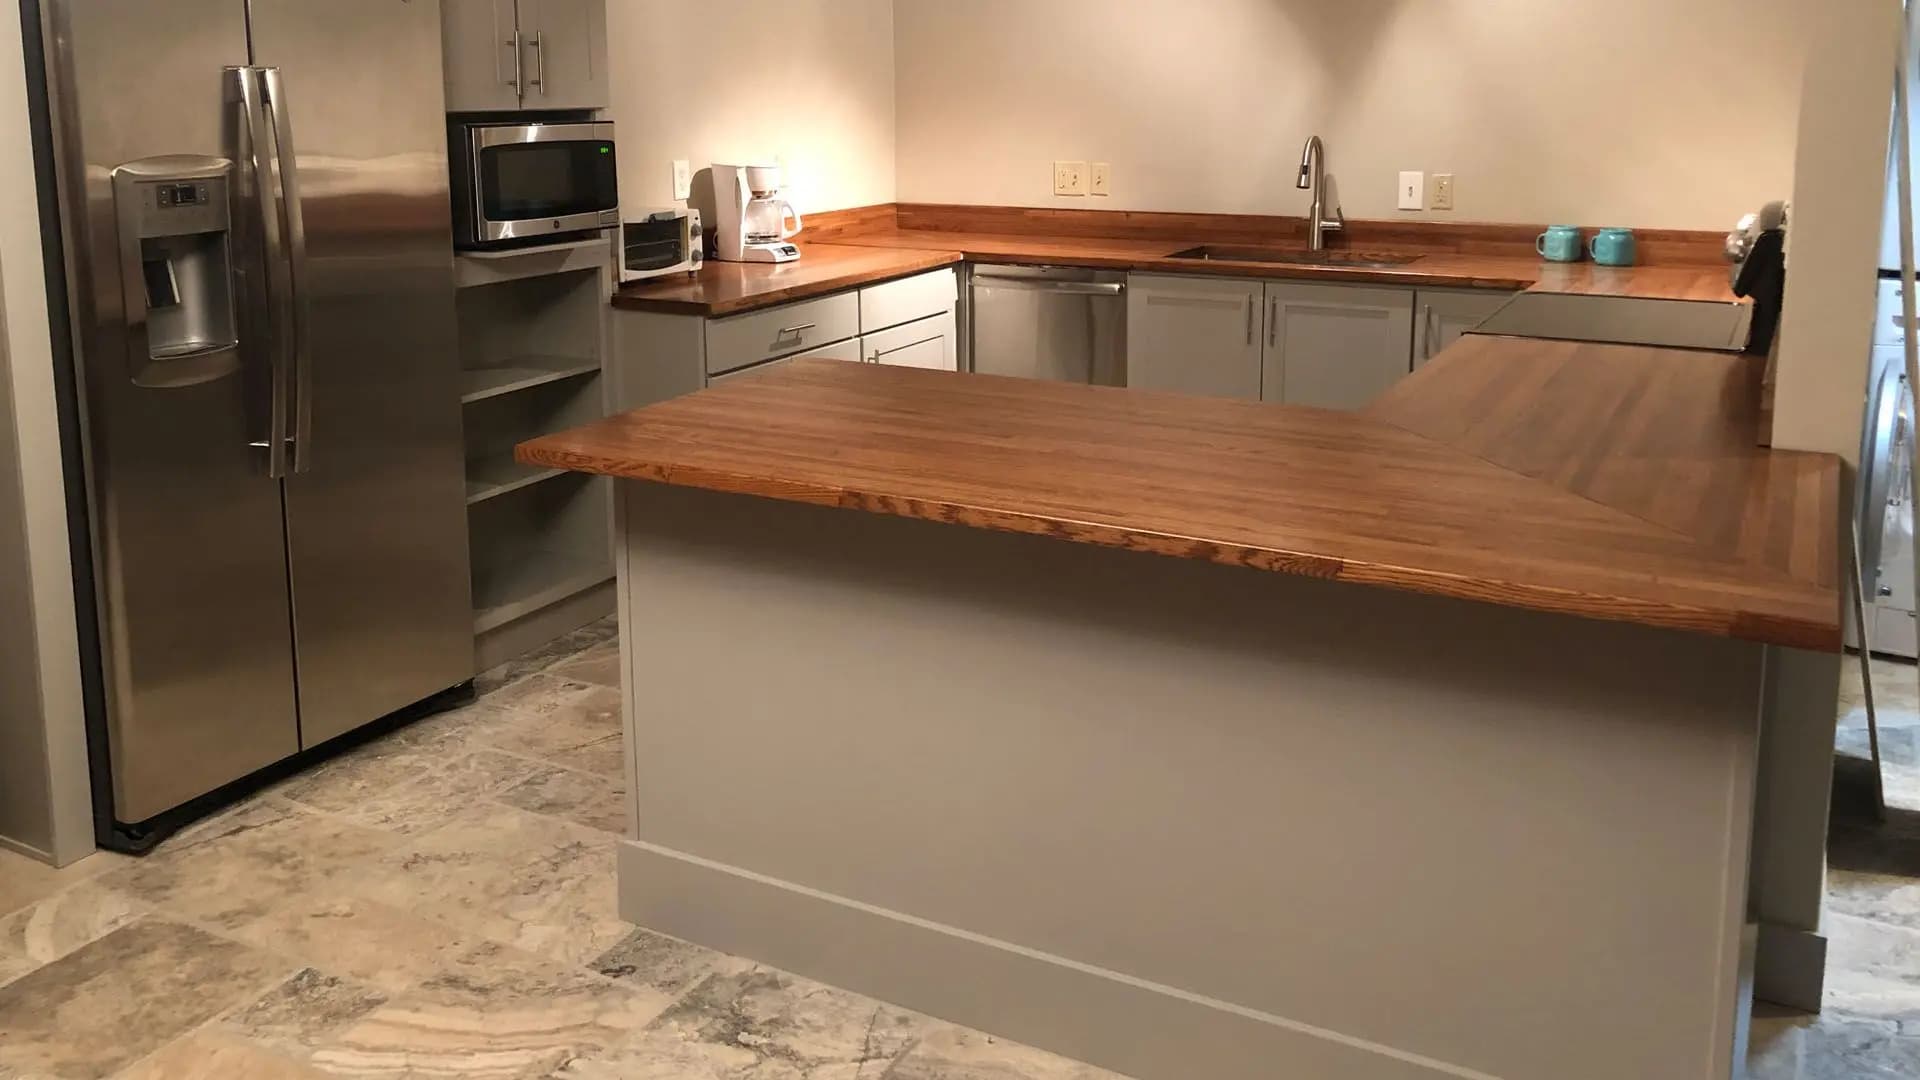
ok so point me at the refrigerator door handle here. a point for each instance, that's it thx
(246, 91)
(287, 180)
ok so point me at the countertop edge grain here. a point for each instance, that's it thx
(1811, 632)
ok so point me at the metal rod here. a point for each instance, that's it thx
(1903, 140)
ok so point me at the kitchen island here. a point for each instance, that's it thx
(1206, 738)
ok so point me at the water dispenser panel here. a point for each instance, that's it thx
(176, 256)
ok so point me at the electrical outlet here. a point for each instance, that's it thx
(1442, 191)
(1100, 178)
(1069, 178)
(1413, 191)
(682, 179)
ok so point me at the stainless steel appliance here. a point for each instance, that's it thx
(532, 181)
(661, 244)
(1885, 491)
(258, 238)
(1049, 322)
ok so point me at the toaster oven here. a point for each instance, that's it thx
(662, 243)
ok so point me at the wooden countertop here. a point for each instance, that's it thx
(728, 288)
(1612, 482)
(723, 288)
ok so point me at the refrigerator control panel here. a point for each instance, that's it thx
(176, 266)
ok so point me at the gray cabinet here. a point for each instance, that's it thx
(507, 55)
(1334, 346)
(1194, 335)
(1442, 315)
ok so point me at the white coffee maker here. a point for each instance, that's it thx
(752, 225)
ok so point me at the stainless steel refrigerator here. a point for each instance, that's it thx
(258, 244)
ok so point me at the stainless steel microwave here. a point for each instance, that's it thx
(519, 182)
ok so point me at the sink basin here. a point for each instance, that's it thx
(1360, 259)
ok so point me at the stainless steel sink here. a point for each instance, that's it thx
(1358, 259)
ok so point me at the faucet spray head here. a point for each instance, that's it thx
(1305, 180)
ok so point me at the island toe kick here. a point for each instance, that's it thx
(1180, 819)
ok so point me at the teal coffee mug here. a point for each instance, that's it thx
(1612, 247)
(1560, 243)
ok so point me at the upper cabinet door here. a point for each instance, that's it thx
(1194, 335)
(484, 71)
(1335, 346)
(1442, 315)
(566, 53)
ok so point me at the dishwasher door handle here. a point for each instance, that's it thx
(1065, 288)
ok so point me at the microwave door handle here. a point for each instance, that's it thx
(246, 91)
(298, 328)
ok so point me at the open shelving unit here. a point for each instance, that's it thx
(533, 342)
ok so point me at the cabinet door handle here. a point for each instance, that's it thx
(1249, 320)
(540, 61)
(1426, 332)
(1273, 324)
(514, 43)
(785, 330)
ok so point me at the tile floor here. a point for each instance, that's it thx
(440, 903)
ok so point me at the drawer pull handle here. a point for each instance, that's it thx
(785, 330)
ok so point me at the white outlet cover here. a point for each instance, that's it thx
(1413, 191)
(1442, 191)
(682, 179)
(1069, 178)
(1100, 178)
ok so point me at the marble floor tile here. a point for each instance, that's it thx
(951, 1052)
(401, 757)
(598, 802)
(539, 659)
(25, 881)
(65, 921)
(495, 1012)
(1873, 970)
(383, 946)
(537, 883)
(1830, 1047)
(763, 1023)
(599, 665)
(238, 875)
(117, 999)
(572, 724)
(217, 1055)
(303, 1012)
(432, 799)
(664, 963)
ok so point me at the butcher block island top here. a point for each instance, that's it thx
(1611, 482)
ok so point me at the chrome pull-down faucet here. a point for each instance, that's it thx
(1313, 177)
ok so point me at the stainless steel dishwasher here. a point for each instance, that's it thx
(1049, 322)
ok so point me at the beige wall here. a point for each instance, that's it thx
(38, 620)
(1595, 111)
(738, 80)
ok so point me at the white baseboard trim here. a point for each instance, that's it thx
(1790, 967)
(1108, 1018)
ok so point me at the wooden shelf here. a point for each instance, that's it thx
(490, 477)
(532, 580)
(519, 373)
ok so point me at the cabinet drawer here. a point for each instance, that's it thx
(747, 373)
(927, 343)
(903, 301)
(748, 339)
(848, 350)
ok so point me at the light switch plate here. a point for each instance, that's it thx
(1442, 191)
(1100, 178)
(1413, 191)
(682, 179)
(1069, 178)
